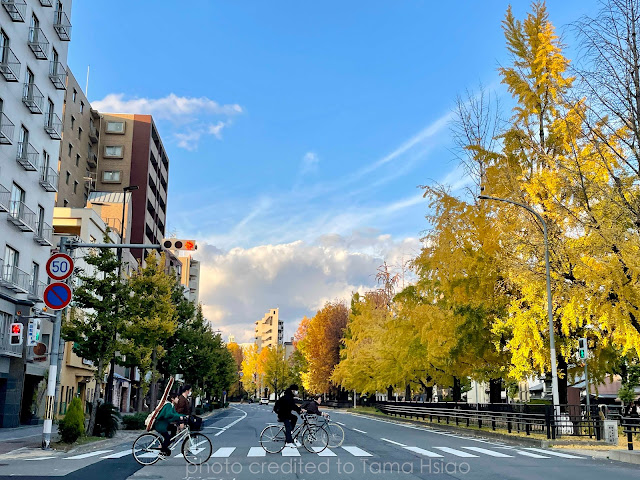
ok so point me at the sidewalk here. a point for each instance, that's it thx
(24, 436)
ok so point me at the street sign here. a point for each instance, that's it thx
(59, 266)
(57, 296)
(33, 332)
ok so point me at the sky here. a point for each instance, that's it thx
(298, 133)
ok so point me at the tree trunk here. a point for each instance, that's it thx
(457, 390)
(139, 400)
(154, 382)
(495, 390)
(96, 395)
(407, 393)
(389, 393)
(562, 380)
(429, 393)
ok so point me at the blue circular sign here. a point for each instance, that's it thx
(57, 296)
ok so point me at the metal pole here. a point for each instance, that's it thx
(586, 383)
(552, 341)
(354, 398)
(53, 372)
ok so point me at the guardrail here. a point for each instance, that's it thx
(572, 422)
(630, 426)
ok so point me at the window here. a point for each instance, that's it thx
(75, 186)
(11, 257)
(30, 81)
(45, 162)
(4, 42)
(17, 199)
(68, 177)
(113, 151)
(23, 140)
(40, 218)
(111, 176)
(33, 31)
(77, 159)
(81, 107)
(70, 147)
(73, 121)
(50, 113)
(115, 127)
(54, 63)
(65, 203)
(79, 133)
(75, 93)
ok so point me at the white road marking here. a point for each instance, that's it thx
(256, 452)
(361, 431)
(530, 454)
(357, 452)
(341, 424)
(327, 452)
(391, 441)
(224, 429)
(491, 453)
(457, 453)
(87, 455)
(550, 452)
(290, 452)
(424, 452)
(121, 454)
(223, 452)
(40, 458)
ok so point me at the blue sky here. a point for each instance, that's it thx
(297, 132)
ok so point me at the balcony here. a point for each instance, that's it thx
(17, 9)
(53, 126)
(46, 3)
(27, 156)
(6, 130)
(32, 97)
(38, 43)
(93, 133)
(62, 25)
(5, 198)
(58, 75)
(22, 216)
(9, 65)
(49, 179)
(15, 279)
(43, 233)
(92, 159)
(36, 290)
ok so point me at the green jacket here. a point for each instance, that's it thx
(167, 415)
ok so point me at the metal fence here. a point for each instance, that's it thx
(514, 418)
(630, 426)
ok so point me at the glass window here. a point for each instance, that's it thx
(75, 93)
(77, 159)
(70, 147)
(115, 127)
(113, 151)
(73, 121)
(111, 176)
(75, 186)
(35, 273)
(79, 132)
(11, 256)
(68, 177)
(81, 107)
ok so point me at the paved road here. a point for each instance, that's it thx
(374, 448)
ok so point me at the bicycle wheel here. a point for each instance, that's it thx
(196, 448)
(146, 448)
(272, 438)
(336, 434)
(315, 439)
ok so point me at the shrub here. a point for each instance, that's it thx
(107, 421)
(198, 410)
(135, 421)
(71, 427)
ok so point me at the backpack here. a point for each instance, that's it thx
(277, 407)
(151, 417)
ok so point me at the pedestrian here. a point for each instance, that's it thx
(284, 408)
(184, 405)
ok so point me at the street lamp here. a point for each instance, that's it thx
(109, 391)
(552, 341)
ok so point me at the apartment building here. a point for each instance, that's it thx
(190, 278)
(269, 330)
(131, 154)
(34, 39)
(78, 155)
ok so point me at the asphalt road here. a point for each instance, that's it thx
(373, 448)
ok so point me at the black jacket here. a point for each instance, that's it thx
(287, 405)
(312, 407)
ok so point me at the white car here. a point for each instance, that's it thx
(264, 401)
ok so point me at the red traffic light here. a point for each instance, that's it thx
(16, 328)
(179, 244)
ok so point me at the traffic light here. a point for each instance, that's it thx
(15, 334)
(179, 244)
(583, 348)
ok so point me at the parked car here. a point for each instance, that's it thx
(264, 401)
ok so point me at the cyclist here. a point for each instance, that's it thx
(163, 425)
(312, 406)
(284, 408)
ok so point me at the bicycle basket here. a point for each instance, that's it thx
(195, 423)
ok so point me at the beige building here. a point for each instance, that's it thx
(78, 159)
(190, 278)
(269, 331)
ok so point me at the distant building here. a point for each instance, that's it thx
(270, 330)
(288, 348)
(190, 278)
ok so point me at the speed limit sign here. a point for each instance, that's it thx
(59, 266)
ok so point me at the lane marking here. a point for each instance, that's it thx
(87, 455)
(290, 452)
(224, 429)
(223, 452)
(391, 441)
(457, 453)
(357, 452)
(424, 452)
(550, 452)
(38, 458)
(530, 454)
(361, 431)
(339, 423)
(327, 452)
(120, 454)
(256, 452)
(491, 453)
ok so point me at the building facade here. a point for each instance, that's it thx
(131, 153)
(190, 278)
(34, 39)
(269, 330)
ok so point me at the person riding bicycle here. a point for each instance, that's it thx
(312, 406)
(163, 424)
(284, 408)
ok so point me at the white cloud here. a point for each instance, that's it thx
(171, 107)
(309, 163)
(238, 286)
(189, 139)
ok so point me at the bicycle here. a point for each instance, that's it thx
(196, 447)
(335, 432)
(314, 437)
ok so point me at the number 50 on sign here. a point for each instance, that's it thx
(59, 266)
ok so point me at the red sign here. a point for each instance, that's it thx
(59, 266)
(57, 296)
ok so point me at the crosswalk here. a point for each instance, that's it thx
(349, 450)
